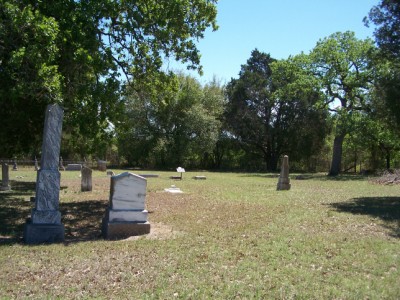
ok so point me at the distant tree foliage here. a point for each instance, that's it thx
(270, 110)
(342, 64)
(80, 54)
(386, 17)
(172, 122)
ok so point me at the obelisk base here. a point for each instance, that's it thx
(43, 233)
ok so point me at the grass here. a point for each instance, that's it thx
(232, 236)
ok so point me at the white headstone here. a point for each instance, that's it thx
(126, 215)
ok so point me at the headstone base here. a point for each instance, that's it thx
(43, 233)
(283, 185)
(118, 230)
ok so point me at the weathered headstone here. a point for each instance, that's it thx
(45, 225)
(36, 165)
(15, 167)
(74, 167)
(5, 179)
(86, 179)
(102, 165)
(61, 164)
(284, 180)
(126, 215)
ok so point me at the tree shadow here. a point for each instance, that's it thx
(385, 208)
(261, 175)
(15, 207)
(81, 219)
(312, 176)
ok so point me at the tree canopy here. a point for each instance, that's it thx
(342, 63)
(386, 17)
(81, 54)
(270, 109)
(171, 122)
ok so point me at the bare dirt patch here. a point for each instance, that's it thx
(158, 231)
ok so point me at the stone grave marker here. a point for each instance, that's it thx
(5, 179)
(15, 167)
(73, 167)
(126, 215)
(173, 190)
(284, 180)
(86, 179)
(36, 165)
(102, 165)
(45, 225)
(61, 166)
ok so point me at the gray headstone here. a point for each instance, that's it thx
(86, 179)
(61, 164)
(45, 224)
(5, 179)
(74, 167)
(15, 167)
(102, 165)
(126, 215)
(36, 165)
(284, 180)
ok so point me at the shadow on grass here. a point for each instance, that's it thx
(385, 208)
(15, 207)
(82, 220)
(312, 176)
(261, 175)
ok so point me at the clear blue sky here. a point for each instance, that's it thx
(278, 27)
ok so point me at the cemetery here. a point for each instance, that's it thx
(126, 175)
(322, 238)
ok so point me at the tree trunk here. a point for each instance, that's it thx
(388, 159)
(337, 155)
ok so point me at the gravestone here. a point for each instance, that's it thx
(45, 225)
(36, 165)
(5, 179)
(86, 179)
(173, 190)
(74, 167)
(102, 165)
(126, 215)
(61, 164)
(15, 167)
(284, 180)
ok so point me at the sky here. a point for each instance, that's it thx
(279, 27)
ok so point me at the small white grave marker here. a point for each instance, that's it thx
(173, 189)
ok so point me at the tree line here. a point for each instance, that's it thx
(334, 109)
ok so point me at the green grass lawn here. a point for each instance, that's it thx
(232, 236)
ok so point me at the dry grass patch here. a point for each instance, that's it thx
(230, 236)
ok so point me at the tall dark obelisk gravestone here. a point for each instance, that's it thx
(45, 226)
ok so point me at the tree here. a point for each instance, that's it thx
(270, 109)
(386, 16)
(29, 75)
(81, 54)
(342, 64)
(171, 122)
